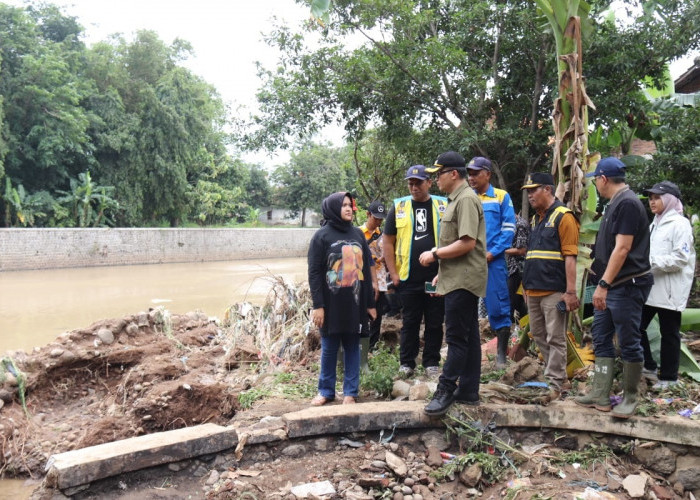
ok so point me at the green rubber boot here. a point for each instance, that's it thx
(631, 375)
(599, 396)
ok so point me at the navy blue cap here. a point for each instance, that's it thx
(417, 172)
(479, 163)
(609, 167)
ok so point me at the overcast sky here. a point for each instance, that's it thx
(226, 36)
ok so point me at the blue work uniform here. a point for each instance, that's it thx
(500, 229)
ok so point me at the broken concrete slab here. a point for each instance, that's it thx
(568, 415)
(336, 419)
(86, 465)
(83, 466)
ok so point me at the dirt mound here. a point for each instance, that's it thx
(117, 379)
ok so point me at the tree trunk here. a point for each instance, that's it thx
(303, 217)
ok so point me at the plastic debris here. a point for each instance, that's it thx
(532, 383)
(521, 482)
(316, 489)
(351, 443)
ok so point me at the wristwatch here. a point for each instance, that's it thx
(603, 284)
(434, 252)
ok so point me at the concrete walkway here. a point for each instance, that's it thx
(84, 466)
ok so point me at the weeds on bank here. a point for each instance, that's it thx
(587, 457)
(285, 384)
(8, 365)
(383, 364)
(491, 468)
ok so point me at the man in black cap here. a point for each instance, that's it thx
(621, 267)
(412, 228)
(372, 229)
(461, 280)
(549, 277)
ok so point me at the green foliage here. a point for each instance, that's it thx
(247, 398)
(125, 111)
(472, 75)
(491, 467)
(314, 172)
(588, 457)
(383, 366)
(678, 152)
(88, 204)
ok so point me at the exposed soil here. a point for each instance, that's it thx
(151, 372)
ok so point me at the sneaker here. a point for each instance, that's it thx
(664, 384)
(405, 371)
(432, 371)
(441, 402)
(650, 375)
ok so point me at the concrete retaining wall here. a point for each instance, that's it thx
(22, 249)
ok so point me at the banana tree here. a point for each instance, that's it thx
(570, 116)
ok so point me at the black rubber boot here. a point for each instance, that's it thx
(631, 375)
(599, 396)
(503, 335)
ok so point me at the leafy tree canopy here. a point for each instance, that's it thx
(472, 75)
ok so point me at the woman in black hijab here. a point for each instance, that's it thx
(341, 289)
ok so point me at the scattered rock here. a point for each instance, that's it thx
(401, 389)
(435, 439)
(687, 472)
(6, 395)
(396, 464)
(659, 459)
(213, 477)
(418, 392)
(433, 459)
(635, 485)
(294, 450)
(661, 492)
(470, 476)
(105, 335)
(56, 352)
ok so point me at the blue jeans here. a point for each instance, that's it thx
(329, 360)
(463, 361)
(622, 316)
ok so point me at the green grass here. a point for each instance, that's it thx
(383, 366)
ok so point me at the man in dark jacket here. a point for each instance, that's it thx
(549, 277)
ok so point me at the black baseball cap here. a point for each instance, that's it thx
(664, 187)
(377, 209)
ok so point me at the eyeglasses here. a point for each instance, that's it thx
(443, 171)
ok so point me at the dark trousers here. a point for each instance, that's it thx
(670, 326)
(517, 301)
(419, 306)
(463, 361)
(375, 326)
(622, 317)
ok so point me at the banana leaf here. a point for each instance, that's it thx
(687, 366)
(690, 319)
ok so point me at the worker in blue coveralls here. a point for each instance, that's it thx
(500, 229)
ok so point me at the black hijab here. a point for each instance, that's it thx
(331, 207)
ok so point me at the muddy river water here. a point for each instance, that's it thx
(37, 306)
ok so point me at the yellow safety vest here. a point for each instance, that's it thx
(403, 210)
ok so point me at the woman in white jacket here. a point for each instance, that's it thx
(672, 257)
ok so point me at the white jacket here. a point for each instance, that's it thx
(672, 257)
